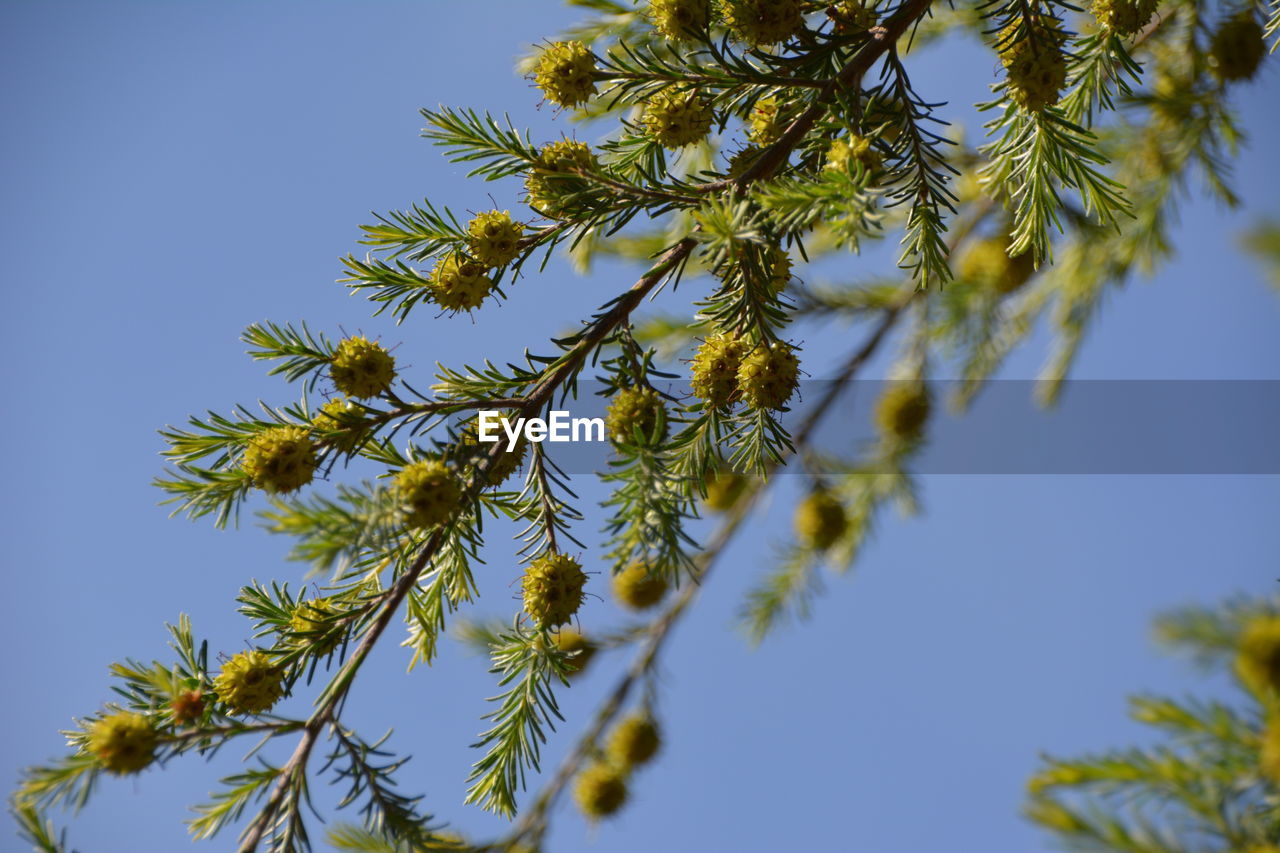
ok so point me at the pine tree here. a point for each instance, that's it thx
(746, 139)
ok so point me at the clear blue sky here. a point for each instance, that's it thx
(175, 171)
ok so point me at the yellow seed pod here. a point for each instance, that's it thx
(843, 153)
(676, 119)
(429, 492)
(761, 23)
(552, 589)
(1258, 656)
(361, 368)
(547, 185)
(1035, 64)
(1238, 47)
(1124, 17)
(569, 640)
(600, 791)
(635, 409)
(778, 262)
(820, 520)
(723, 490)
(769, 375)
(766, 123)
(714, 369)
(675, 18)
(459, 283)
(986, 264)
(637, 589)
(494, 240)
(566, 73)
(250, 683)
(123, 742)
(1269, 759)
(742, 160)
(280, 460)
(342, 422)
(509, 459)
(851, 16)
(902, 411)
(312, 624)
(633, 742)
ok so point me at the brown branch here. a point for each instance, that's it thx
(539, 395)
(543, 391)
(533, 823)
(777, 153)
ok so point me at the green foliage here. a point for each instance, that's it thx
(1085, 180)
(527, 663)
(1208, 783)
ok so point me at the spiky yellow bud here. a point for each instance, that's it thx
(1124, 17)
(123, 742)
(843, 153)
(509, 459)
(361, 368)
(766, 123)
(987, 264)
(742, 160)
(636, 410)
(494, 240)
(552, 179)
(250, 683)
(600, 791)
(569, 641)
(280, 460)
(1258, 655)
(851, 16)
(458, 283)
(634, 741)
(637, 588)
(313, 624)
(769, 375)
(1036, 62)
(778, 263)
(714, 371)
(1238, 47)
(340, 423)
(675, 18)
(902, 411)
(566, 73)
(760, 23)
(820, 520)
(676, 119)
(429, 492)
(552, 588)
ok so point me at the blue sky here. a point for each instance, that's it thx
(175, 171)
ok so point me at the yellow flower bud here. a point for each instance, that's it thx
(123, 742)
(637, 589)
(552, 588)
